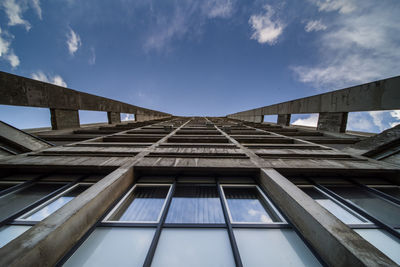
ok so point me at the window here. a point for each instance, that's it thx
(247, 205)
(343, 213)
(142, 204)
(192, 224)
(195, 204)
(33, 200)
(353, 202)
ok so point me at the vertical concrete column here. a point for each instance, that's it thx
(113, 117)
(335, 242)
(332, 121)
(64, 119)
(284, 119)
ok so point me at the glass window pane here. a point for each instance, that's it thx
(384, 210)
(392, 191)
(108, 246)
(246, 205)
(10, 232)
(382, 241)
(15, 201)
(144, 204)
(194, 248)
(55, 204)
(4, 186)
(195, 204)
(273, 247)
(342, 213)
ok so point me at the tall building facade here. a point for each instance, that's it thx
(195, 191)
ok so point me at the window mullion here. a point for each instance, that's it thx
(234, 246)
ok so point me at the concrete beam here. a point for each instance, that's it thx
(284, 119)
(113, 117)
(378, 95)
(64, 119)
(20, 138)
(332, 121)
(20, 91)
(48, 241)
(334, 241)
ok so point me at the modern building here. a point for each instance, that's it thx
(165, 190)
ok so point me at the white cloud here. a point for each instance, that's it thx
(56, 79)
(266, 27)
(343, 6)
(311, 121)
(186, 20)
(315, 25)
(14, 13)
(6, 52)
(395, 114)
(37, 8)
(92, 57)
(127, 117)
(218, 8)
(73, 41)
(360, 45)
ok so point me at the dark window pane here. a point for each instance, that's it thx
(195, 204)
(382, 209)
(342, 213)
(15, 201)
(245, 205)
(144, 204)
(48, 209)
(4, 186)
(392, 191)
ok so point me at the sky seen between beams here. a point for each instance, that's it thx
(210, 57)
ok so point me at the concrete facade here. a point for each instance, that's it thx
(284, 119)
(20, 91)
(64, 119)
(332, 121)
(238, 152)
(113, 117)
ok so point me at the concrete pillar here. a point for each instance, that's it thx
(64, 119)
(332, 121)
(335, 242)
(143, 117)
(284, 119)
(113, 117)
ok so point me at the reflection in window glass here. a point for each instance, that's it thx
(15, 201)
(273, 247)
(342, 213)
(10, 232)
(113, 247)
(245, 205)
(4, 186)
(144, 204)
(48, 209)
(195, 204)
(194, 248)
(391, 191)
(382, 209)
(383, 241)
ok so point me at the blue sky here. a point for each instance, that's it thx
(209, 57)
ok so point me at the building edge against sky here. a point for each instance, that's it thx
(199, 190)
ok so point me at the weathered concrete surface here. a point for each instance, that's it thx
(334, 241)
(20, 91)
(64, 119)
(284, 119)
(113, 117)
(45, 243)
(378, 144)
(332, 121)
(20, 138)
(378, 95)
